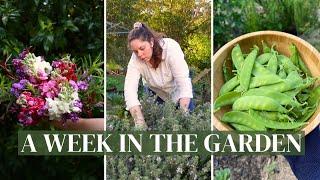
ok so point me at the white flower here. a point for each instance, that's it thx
(42, 66)
(64, 103)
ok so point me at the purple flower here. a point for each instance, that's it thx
(78, 104)
(43, 111)
(17, 88)
(74, 85)
(25, 119)
(42, 75)
(74, 117)
(24, 53)
(82, 85)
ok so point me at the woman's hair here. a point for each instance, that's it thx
(143, 32)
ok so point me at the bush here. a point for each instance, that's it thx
(198, 51)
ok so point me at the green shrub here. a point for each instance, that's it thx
(198, 51)
(161, 118)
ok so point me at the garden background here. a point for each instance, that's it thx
(53, 29)
(233, 18)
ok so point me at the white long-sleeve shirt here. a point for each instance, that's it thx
(169, 81)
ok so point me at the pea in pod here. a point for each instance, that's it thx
(237, 57)
(282, 98)
(226, 99)
(247, 66)
(264, 80)
(296, 59)
(264, 58)
(243, 118)
(276, 124)
(229, 85)
(258, 103)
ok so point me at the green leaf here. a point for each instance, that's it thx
(5, 20)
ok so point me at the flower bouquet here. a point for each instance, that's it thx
(46, 91)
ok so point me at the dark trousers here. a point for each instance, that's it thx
(307, 167)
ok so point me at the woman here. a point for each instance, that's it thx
(161, 64)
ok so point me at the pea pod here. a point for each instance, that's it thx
(229, 85)
(276, 124)
(292, 81)
(314, 97)
(226, 99)
(245, 73)
(258, 103)
(306, 116)
(282, 73)
(243, 118)
(264, 58)
(296, 59)
(259, 70)
(263, 80)
(275, 116)
(241, 127)
(265, 47)
(273, 63)
(237, 57)
(282, 98)
(287, 64)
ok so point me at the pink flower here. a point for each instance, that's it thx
(49, 89)
(31, 109)
(66, 69)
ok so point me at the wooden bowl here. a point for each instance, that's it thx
(282, 40)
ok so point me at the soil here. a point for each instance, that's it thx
(255, 167)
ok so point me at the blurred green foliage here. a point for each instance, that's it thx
(233, 18)
(198, 51)
(180, 20)
(222, 174)
(51, 27)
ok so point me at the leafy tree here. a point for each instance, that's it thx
(51, 27)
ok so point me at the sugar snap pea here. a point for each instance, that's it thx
(275, 116)
(243, 118)
(287, 64)
(276, 124)
(229, 85)
(263, 58)
(241, 127)
(259, 70)
(258, 103)
(226, 99)
(282, 98)
(296, 59)
(247, 66)
(314, 97)
(237, 57)
(273, 63)
(265, 47)
(263, 80)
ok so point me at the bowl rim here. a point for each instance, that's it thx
(216, 123)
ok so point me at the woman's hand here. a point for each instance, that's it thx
(138, 118)
(83, 124)
(184, 104)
